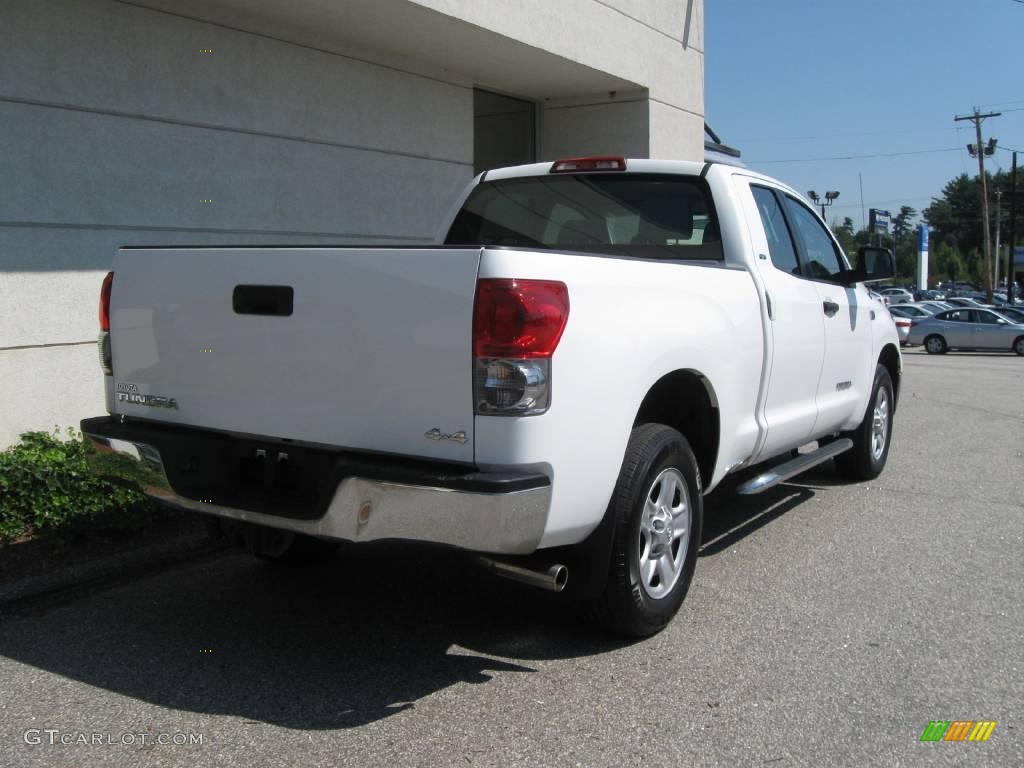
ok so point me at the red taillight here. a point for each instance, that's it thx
(521, 319)
(105, 302)
(574, 164)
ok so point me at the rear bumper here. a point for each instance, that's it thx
(354, 497)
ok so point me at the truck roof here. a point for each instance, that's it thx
(682, 167)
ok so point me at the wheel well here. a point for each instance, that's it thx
(890, 358)
(685, 401)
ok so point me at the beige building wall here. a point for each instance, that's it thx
(283, 121)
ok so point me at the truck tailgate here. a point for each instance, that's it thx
(362, 348)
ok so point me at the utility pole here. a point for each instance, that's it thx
(977, 118)
(1011, 263)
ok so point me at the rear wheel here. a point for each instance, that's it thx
(935, 345)
(866, 460)
(1018, 346)
(658, 512)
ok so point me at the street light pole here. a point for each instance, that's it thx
(999, 221)
(830, 197)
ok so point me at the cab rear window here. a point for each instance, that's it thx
(652, 216)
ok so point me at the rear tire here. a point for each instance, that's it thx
(1018, 346)
(658, 514)
(935, 345)
(871, 440)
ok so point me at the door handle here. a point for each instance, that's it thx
(830, 307)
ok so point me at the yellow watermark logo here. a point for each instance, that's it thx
(958, 730)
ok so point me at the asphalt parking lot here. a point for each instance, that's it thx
(827, 625)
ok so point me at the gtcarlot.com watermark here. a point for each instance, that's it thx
(57, 737)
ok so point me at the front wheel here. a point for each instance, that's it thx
(866, 460)
(935, 345)
(1018, 346)
(658, 513)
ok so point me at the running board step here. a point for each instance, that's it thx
(801, 463)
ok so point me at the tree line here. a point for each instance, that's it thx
(956, 250)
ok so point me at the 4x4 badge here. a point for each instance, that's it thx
(437, 434)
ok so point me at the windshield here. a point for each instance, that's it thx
(652, 216)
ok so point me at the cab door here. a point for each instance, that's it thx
(795, 325)
(848, 369)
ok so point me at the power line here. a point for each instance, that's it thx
(901, 200)
(1003, 103)
(838, 136)
(856, 157)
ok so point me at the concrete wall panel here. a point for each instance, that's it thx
(595, 127)
(114, 57)
(672, 131)
(84, 168)
(52, 386)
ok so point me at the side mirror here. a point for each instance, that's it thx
(873, 265)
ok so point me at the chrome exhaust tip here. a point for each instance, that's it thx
(552, 577)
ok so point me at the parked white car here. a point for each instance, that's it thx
(897, 295)
(598, 343)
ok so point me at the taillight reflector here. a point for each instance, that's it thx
(105, 302)
(574, 164)
(520, 319)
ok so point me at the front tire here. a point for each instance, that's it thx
(935, 345)
(658, 515)
(1018, 346)
(866, 460)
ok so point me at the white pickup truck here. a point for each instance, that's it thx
(597, 344)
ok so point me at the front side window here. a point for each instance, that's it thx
(821, 258)
(654, 216)
(956, 316)
(988, 318)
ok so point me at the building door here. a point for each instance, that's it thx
(504, 131)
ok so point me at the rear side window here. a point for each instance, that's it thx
(780, 244)
(653, 216)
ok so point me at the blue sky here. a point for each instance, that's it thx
(789, 79)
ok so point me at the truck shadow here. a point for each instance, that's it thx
(729, 518)
(361, 638)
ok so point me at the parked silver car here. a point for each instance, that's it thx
(904, 321)
(934, 306)
(965, 301)
(911, 310)
(967, 328)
